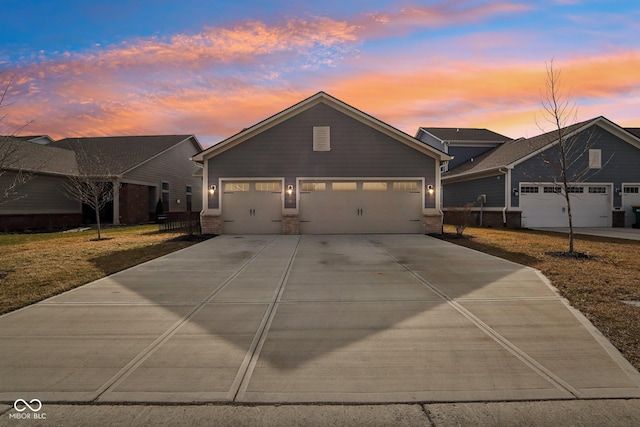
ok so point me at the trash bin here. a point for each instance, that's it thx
(636, 210)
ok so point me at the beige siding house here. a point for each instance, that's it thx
(143, 169)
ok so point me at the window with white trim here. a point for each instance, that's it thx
(405, 186)
(575, 190)
(374, 186)
(595, 159)
(321, 138)
(631, 190)
(165, 195)
(344, 186)
(597, 190)
(313, 186)
(528, 189)
(232, 187)
(273, 186)
(556, 190)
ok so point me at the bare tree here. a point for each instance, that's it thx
(94, 185)
(11, 156)
(569, 156)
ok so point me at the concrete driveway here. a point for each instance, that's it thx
(377, 318)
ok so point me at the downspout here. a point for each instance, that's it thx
(507, 194)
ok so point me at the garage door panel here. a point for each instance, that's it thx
(252, 211)
(542, 206)
(630, 197)
(372, 207)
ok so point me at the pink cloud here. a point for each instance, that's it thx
(220, 80)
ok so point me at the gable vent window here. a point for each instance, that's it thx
(321, 138)
(595, 159)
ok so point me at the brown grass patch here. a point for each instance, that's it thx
(597, 286)
(37, 266)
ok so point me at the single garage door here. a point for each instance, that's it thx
(251, 207)
(544, 206)
(355, 206)
(630, 197)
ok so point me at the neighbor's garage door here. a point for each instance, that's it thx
(630, 197)
(544, 206)
(336, 207)
(251, 207)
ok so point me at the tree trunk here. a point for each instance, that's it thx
(96, 207)
(570, 223)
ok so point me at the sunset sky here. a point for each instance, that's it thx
(212, 68)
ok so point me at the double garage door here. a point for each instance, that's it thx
(543, 206)
(325, 206)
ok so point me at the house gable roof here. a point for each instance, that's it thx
(464, 135)
(20, 154)
(514, 152)
(120, 154)
(320, 97)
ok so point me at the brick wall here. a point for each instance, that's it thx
(492, 219)
(290, 224)
(134, 204)
(211, 224)
(617, 218)
(432, 224)
(39, 221)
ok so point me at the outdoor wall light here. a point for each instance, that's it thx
(290, 189)
(212, 189)
(430, 189)
(515, 192)
(617, 191)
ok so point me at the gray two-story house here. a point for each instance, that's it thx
(321, 167)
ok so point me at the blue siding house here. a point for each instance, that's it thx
(515, 184)
(321, 167)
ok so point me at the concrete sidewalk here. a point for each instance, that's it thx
(311, 319)
(583, 413)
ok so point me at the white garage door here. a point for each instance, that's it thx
(543, 206)
(630, 197)
(251, 207)
(342, 207)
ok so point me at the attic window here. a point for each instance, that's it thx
(321, 138)
(595, 159)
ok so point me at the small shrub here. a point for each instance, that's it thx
(460, 217)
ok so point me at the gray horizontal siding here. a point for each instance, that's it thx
(460, 193)
(286, 150)
(462, 154)
(623, 163)
(43, 194)
(175, 167)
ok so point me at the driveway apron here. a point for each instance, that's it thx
(349, 318)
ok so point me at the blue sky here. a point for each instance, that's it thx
(81, 68)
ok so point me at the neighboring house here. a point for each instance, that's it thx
(319, 167)
(40, 202)
(144, 169)
(462, 144)
(513, 184)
